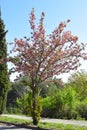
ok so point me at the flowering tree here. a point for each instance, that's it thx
(41, 57)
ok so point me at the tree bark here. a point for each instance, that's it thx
(34, 109)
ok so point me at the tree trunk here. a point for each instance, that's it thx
(34, 109)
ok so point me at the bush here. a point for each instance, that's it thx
(61, 105)
(82, 109)
(25, 104)
(13, 110)
(69, 113)
(46, 107)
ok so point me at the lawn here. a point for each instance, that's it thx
(52, 126)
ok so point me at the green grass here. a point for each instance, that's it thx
(52, 126)
(57, 126)
(15, 120)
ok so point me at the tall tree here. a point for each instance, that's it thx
(41, 57)
(4, 79)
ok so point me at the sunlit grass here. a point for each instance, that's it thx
(52, 126)
(58, 126)
(15, 120)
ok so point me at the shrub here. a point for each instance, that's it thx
(46, 107)
(24, 104)
(61, 105)
(82, 109)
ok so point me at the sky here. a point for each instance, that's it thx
(15, 14)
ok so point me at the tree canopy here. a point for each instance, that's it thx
(41, 57)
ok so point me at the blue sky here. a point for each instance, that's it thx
(15, 14)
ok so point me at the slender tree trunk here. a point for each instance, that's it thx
(34, 110)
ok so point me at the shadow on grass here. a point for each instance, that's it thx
(22, 126)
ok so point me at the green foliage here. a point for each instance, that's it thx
(25, 103)
(78, 81)
(58, 103)
(17, 90)
(4, 78)
(36, 108)
(65, 102)
(61, 105)
(50, 86)
(39, 106)
(46, 107)
(82, 109)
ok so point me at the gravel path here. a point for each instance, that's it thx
(75, 122)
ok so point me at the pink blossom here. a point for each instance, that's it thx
(43, 56)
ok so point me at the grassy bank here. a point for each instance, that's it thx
(54, 126)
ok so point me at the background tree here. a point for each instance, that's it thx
(49, 86)
(78, 81)
(17, 90)
(41, 57)
(4, 78)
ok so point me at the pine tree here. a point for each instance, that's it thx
(4, 79)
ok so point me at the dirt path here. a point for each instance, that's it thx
(75, 122)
